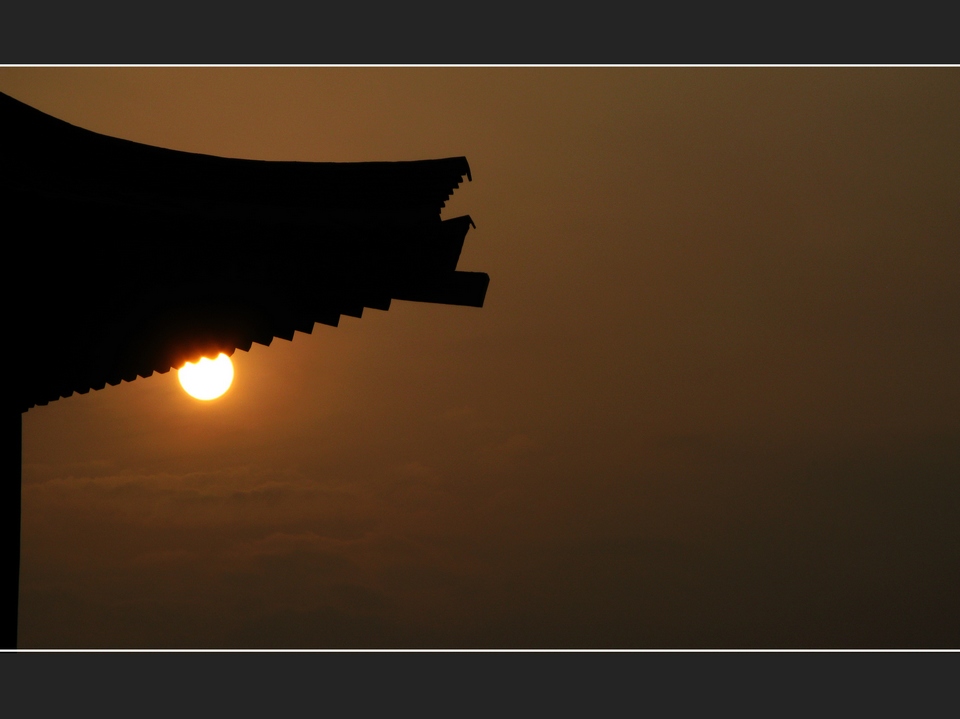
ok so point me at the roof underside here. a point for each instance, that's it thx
(139, 259)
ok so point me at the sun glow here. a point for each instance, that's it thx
(208, 378)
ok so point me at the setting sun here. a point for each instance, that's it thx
(208, 378)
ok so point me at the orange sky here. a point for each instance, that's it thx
(711, 400)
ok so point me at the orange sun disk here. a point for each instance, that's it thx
(208, 378)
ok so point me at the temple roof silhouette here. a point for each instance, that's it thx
(133, 259)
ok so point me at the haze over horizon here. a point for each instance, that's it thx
(711, 399)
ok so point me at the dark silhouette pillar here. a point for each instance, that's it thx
(10, 544)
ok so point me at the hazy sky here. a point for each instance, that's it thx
(712, 400)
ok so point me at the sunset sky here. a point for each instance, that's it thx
(712, 399)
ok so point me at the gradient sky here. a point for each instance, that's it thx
(713, 398)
